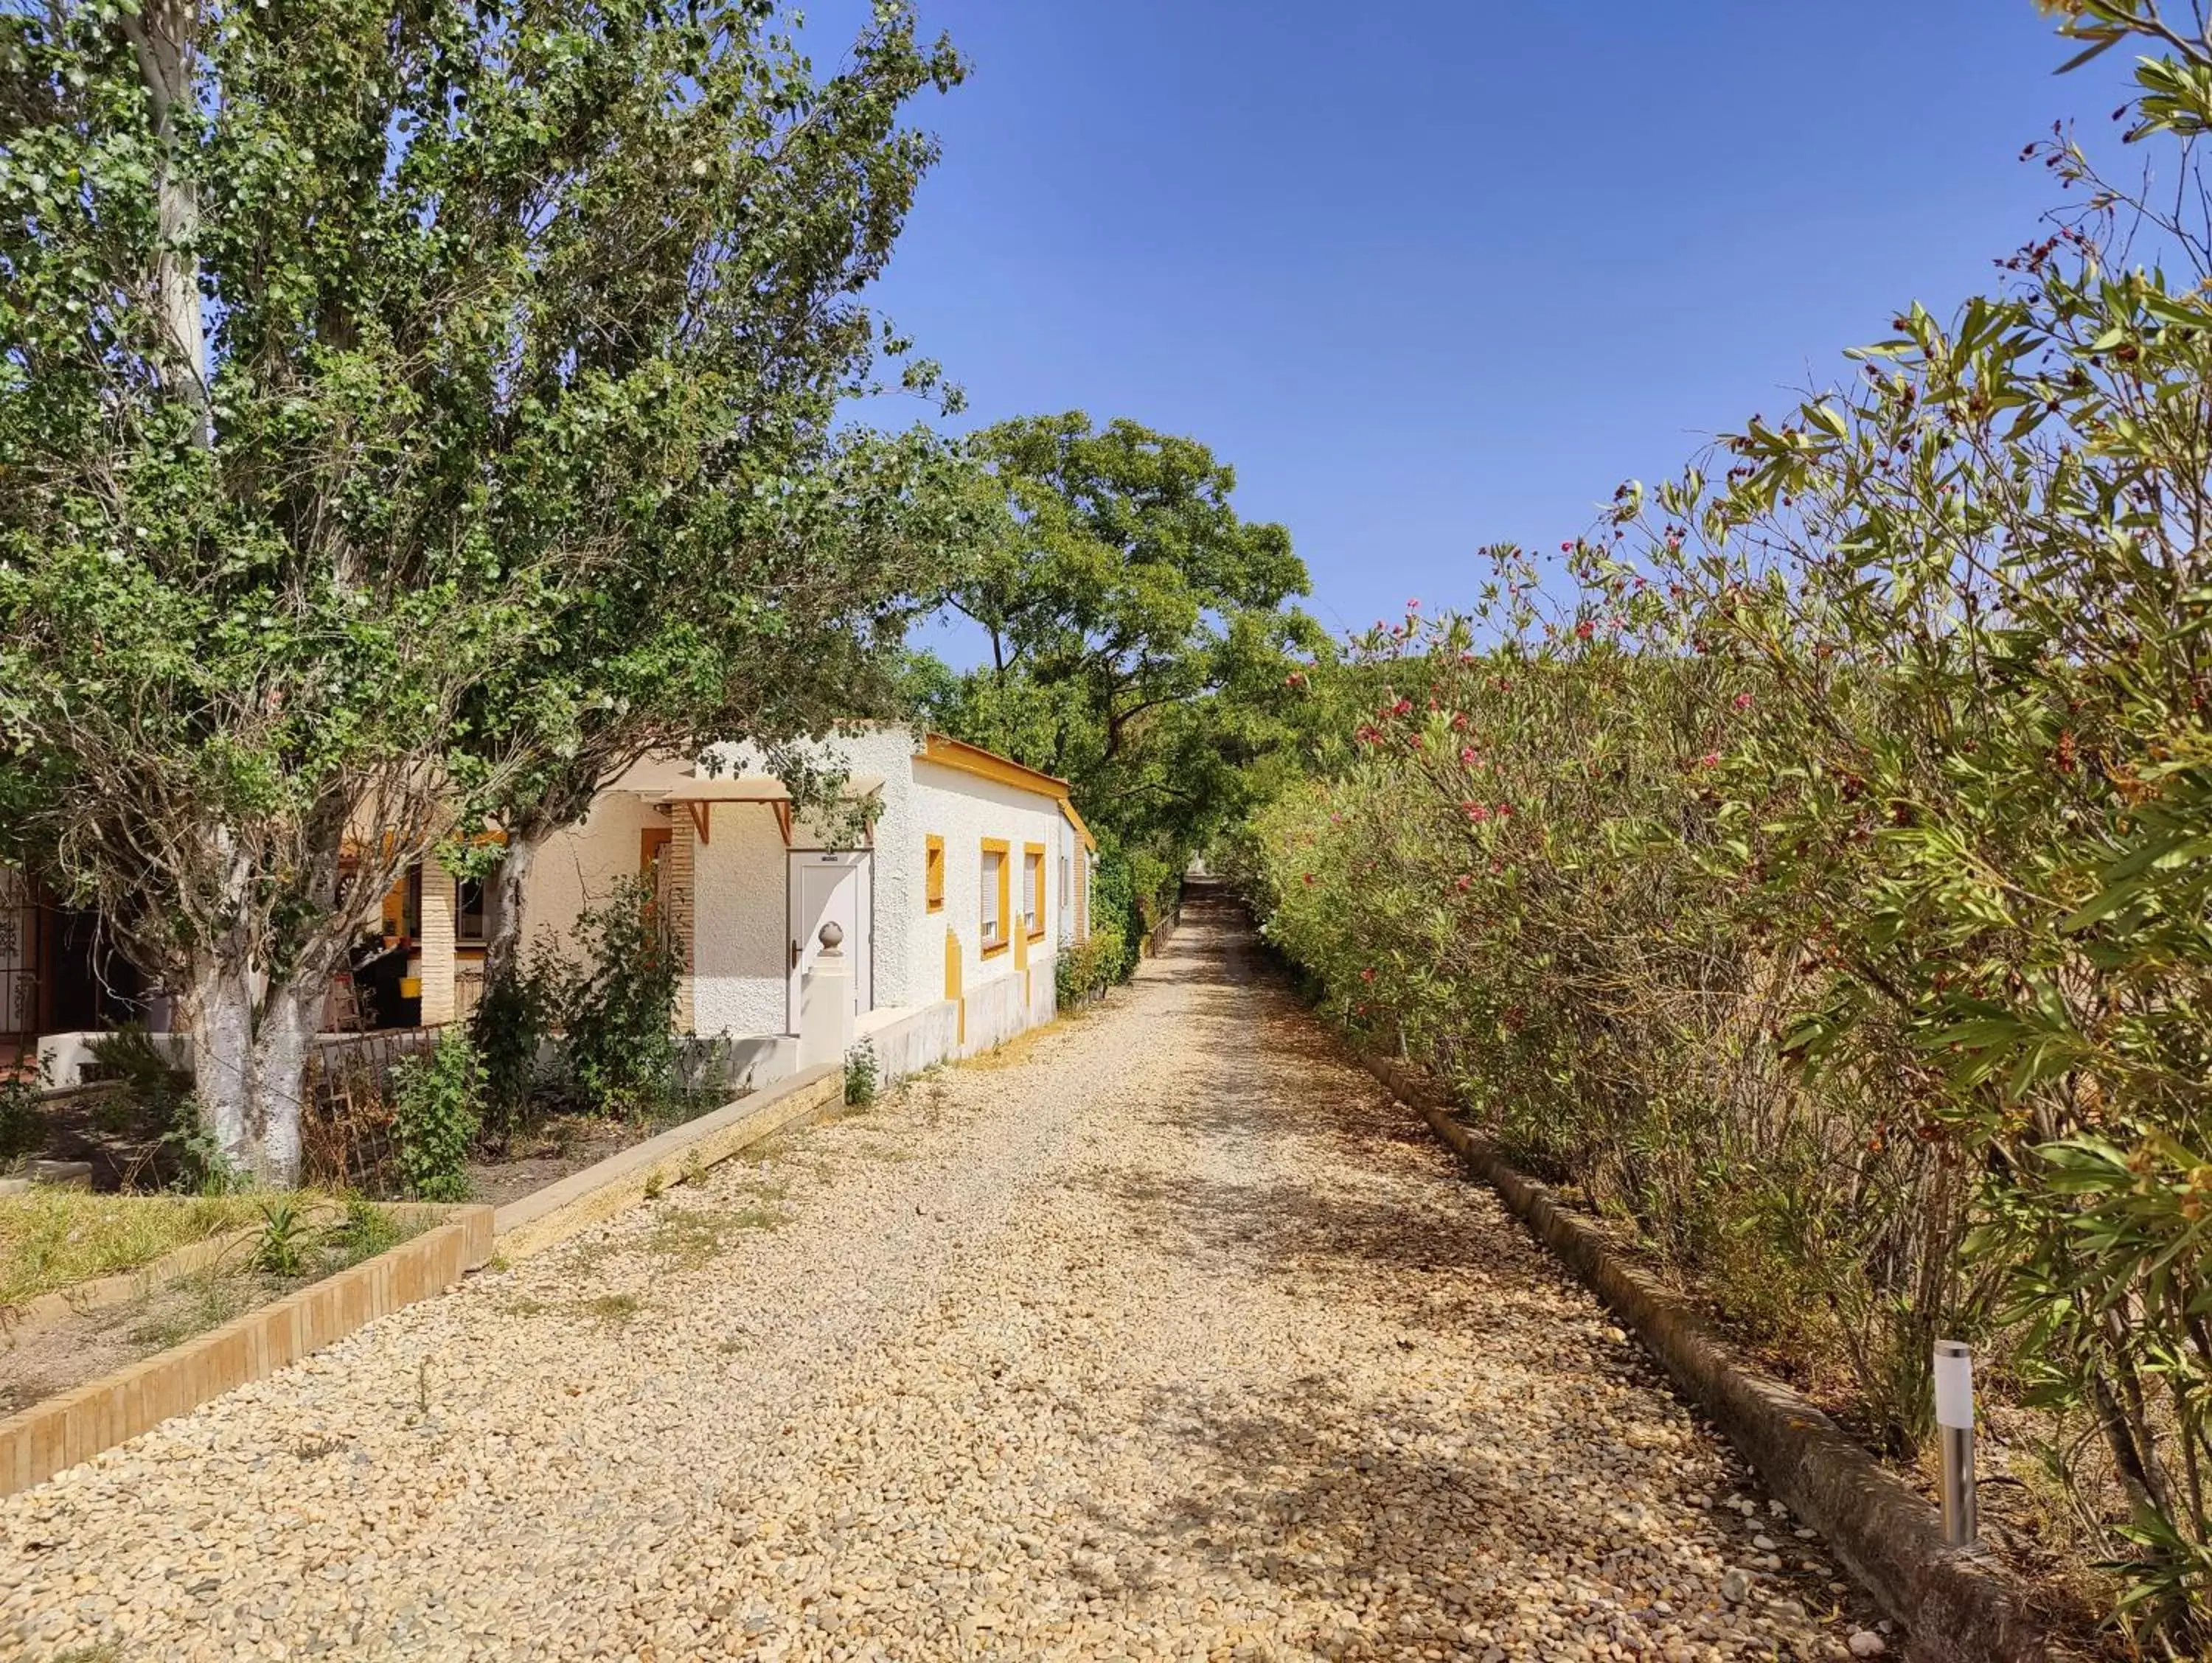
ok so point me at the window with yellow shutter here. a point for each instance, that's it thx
(997, 919)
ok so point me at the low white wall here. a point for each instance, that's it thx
(909, 1039)
(997, 1010)
(62, 1057)
(746, 1061)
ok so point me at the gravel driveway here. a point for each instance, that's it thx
(1164, 1335)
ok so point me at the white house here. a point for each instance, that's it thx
(970, 875)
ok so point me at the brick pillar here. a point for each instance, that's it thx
(437, 943)
(680, 857)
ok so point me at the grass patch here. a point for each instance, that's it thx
(1015, 1051)
(613, 1307)
(695, 1236)
(51, 1239)
(190, 1306)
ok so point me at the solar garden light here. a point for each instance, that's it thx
(1954, 1426)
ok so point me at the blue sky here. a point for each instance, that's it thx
(1435, 275)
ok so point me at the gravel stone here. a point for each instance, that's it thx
(1163, 1334)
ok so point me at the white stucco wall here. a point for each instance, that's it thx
(578, 868)
(740, 894)
(739, 890)
(964, 809)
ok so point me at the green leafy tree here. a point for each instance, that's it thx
(355, 361)
(1142, 636)
(780, 609)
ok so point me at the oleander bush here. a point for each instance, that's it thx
(1816, 870)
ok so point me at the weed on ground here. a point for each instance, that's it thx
(613, 1308)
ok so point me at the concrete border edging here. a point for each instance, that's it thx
(552, 1214)
(51, 1436)
(1958, 1605)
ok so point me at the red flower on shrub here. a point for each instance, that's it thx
(1475, 812)
(1467, 756)
(1368, 974)
(1309, 879)
(1584, 630)
(1712, 759)
(1505, 811)
(1742, 702)
(1462, 882)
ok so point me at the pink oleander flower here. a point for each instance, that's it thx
(1712, 759)
(1467, 755)
(1462, 882)
(1475, 812)
(1368, 974)
(1742, 702)
(1505, 811)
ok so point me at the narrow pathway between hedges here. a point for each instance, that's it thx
(1163, 1334)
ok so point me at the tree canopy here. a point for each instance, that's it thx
(1140, 633)
(359, 362)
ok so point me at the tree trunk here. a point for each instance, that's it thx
(161, 36)
(217, 1014)
(503, 945)
(281, 1046)
(250, 1064)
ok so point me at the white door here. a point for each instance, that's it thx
(826, 885)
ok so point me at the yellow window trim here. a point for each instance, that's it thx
(1005, 938)
(932, 872)
(1038, 851)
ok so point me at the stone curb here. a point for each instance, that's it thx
(552, 1214)
(1958, 1605)
(62, 1431)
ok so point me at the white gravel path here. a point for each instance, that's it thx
(1169, 1338)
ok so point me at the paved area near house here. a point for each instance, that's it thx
(1166, 1336)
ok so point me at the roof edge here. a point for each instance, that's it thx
(946, 751)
